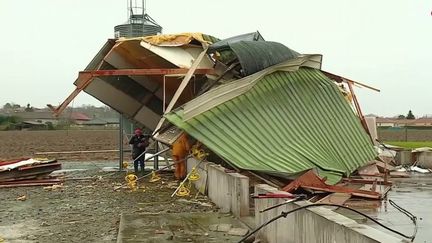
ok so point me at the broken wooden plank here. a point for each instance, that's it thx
(382, 189)
(34, 171)
(338, 198)
(78, 152)
(180, 89)
(48, 180)
(382, 166)
(399, 174)
(368, 170)
(52, 164)
(358, 193)
(393, 174)
(8, 162)
(367, 180)
(29, 184)
(362, 203)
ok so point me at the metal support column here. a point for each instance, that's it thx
(156, 159)
(121, 141)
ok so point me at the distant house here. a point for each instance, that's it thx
(45, 117)
(95, 122)
(32, 124)
(105, 122)
(394, 122)
(385, 122)
(112, 122)
(421, 122)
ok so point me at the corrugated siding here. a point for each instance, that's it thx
(288, 122)
(255, 56)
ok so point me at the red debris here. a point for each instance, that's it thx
(310, 180)
(33, 174)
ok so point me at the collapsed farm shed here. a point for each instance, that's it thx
(256, 107)
(256, 104)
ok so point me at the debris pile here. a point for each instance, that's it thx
(255, 106)
(28, 172)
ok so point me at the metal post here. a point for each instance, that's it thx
(121, 124)
(406, 133)
(156, 159)
(164, 94)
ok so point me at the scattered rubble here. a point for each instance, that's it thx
(22, 198)
(28, 172)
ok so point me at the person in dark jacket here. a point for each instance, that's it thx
(139, 144)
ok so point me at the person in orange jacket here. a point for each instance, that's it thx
(180, 150)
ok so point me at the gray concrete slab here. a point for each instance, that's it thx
(175, 227)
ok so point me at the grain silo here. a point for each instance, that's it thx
(139, 23)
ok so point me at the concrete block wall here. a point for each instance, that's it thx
(229, 191)
(404, 157)
(311, 225)
(425, 160)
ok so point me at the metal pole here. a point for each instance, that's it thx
(154, 155)
(164, 95)
(121, 124)
(156, 159)
(406, 133)
(187, 177)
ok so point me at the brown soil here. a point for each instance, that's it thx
(20, 144)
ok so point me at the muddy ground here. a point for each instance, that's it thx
(19, 144)
(85, 210)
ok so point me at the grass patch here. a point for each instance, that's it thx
(410, 145)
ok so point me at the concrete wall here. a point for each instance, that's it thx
(425, 160)
(312, 225)
(403, 157)
(229, 191)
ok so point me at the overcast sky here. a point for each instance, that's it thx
(386, 44)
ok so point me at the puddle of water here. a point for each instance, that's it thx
(415, 195)
(177, 227)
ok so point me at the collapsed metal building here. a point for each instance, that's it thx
(256, 104)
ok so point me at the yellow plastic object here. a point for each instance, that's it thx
(131, 180)
(183, 191)
(198, 153)
(155, 177)
(201, 154)
(194, 176)
(125, 165)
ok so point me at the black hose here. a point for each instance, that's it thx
(409, 215)
(285, 214)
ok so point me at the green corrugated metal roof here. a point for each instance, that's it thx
(255, 56)
(288, 122)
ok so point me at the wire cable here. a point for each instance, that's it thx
(409, 215)
(285, 214)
